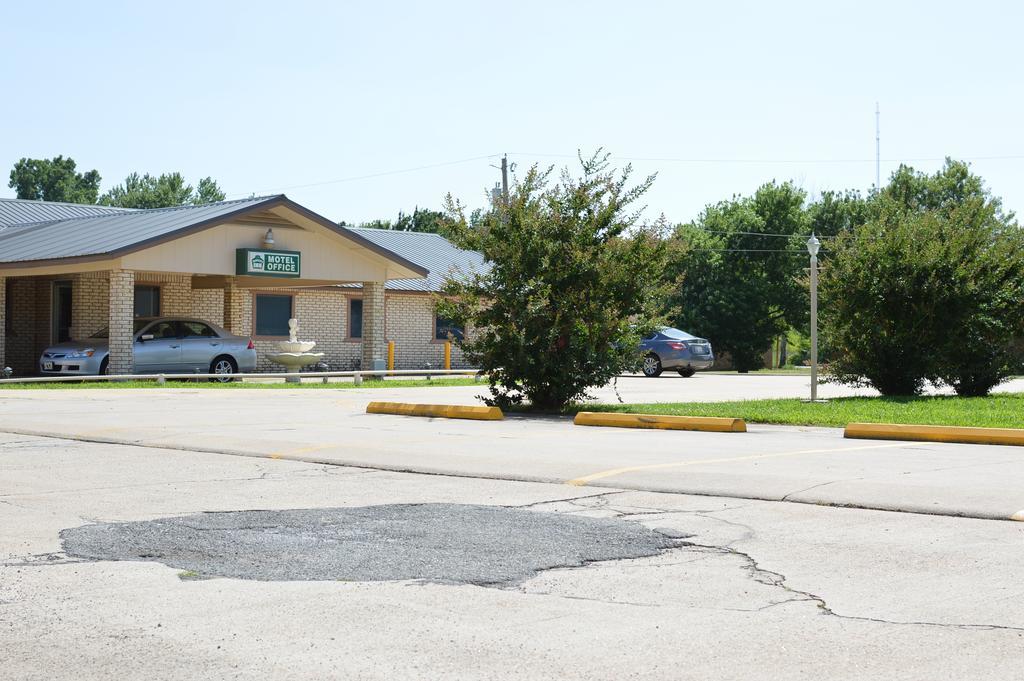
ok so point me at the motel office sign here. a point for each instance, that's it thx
(257, 262)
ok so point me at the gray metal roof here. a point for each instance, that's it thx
(24, 211)
(431, 251)
(109, 233)
(124, 231)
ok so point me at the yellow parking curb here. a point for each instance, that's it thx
(448, 411)
(704, 423)
(974, 436)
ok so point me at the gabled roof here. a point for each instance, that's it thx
(125, 231)
(25, 211)
(430, 251)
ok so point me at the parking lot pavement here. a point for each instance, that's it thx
(748, 589)
(809, 465)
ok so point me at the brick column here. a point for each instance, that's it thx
(122, 308)
(236, 309)
(3, 322)
(374, 345)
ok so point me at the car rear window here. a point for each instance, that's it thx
(676, 334)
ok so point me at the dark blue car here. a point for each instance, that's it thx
(669, 348)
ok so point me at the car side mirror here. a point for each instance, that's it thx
(146, 337)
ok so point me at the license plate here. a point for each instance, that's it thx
(47, 366)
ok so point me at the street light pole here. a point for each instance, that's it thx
(812, 247)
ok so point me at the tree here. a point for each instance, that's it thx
(572, 285)
(737, 270)
(930, 288)
(421, 220)
(169, 189)
(835, 213)
(54, 180)
(208, 191)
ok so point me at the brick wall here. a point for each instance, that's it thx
(20, 342)
(410, 324)
(208, 304)
(322, 315)
(175, 292)
(89, 300)
(121, 306)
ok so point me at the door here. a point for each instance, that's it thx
(199, 346)
(61, 312)
(162, 353)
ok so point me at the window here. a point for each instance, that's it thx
(147, 301)
(355, 318)
(272, 314)
(197, 330)
(443, 327)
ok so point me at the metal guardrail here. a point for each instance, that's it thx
(357, 376)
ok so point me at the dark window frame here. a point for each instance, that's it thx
(153, 289)
(350, 317)
(450, 326)
(257, 330)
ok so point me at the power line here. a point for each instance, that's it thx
(367, 177)
(775, 234)
(779, 160)
(745, 250)
(413, 169)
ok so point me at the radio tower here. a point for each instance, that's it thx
(878, 151)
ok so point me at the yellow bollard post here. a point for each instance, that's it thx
(447, 355)
(391, 355)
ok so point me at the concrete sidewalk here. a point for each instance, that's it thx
(806, 465)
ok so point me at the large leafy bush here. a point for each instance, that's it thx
(930, 288)
(572, 284)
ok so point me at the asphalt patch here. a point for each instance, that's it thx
(451, 543)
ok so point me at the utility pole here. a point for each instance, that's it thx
(504, 177)
(878, 151)
(812, 247)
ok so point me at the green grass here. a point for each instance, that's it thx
(996, 411)
(311, 384)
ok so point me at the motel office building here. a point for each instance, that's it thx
(69, 270)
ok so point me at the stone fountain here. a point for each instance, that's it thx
(295, 354)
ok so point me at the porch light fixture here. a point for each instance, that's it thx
(268, 238)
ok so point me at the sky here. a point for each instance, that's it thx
(359, 110)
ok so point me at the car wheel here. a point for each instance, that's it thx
(686, 372)
(652, 366)
(104, 366)
(224, 367)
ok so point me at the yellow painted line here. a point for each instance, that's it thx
(661, 422)
(448, 411)
(975, 436)
(579, 482)
(1019, 515)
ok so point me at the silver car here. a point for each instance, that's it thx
(669, 348)
(169, 345)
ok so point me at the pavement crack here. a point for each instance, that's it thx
(778, 580)
(785, 497)
(570, 500)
